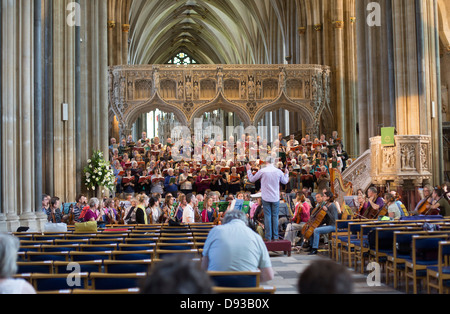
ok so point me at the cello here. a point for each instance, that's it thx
(315, 221)
(422, 208)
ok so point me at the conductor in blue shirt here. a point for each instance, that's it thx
(270, 177)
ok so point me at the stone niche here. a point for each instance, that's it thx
(405, 165)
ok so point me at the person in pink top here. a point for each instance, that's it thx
(301, 217)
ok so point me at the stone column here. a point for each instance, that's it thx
(26, 137)
(64, 87)
(9, 85)
(339, 69)
(2, 214)
(351, 145)
(38, 114)
(103, 76)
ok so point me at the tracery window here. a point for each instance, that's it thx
(182, 58)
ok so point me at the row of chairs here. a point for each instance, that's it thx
(403, 248)
(98, 282)
(114, 259)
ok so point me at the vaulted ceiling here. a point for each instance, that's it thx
(220, 31)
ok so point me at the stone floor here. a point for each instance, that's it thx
(288, 270)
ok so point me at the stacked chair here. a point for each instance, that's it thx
(412, 253)
(117, 259)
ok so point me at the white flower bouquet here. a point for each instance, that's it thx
(98, 173)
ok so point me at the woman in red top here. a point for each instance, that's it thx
(208, 210)
(203, 182)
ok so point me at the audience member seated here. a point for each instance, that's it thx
(9, 248)
(224, 249)
(177, 275)
(325, 278)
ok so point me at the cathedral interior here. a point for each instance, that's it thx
(74, 74)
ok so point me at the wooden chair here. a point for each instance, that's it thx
(80, 236)
(34, 242)
(106, 292)
(98, 247)
(49, 236)
(30, 248)
(161, 254)
(47, 256)
(106, 240)
(424, 254)
(132, 255)
(90, 256)
(176, 235)
(60, 248)
(102, 281)
(141, 240)
(236, 279)
(441, 273)
(71, 241)
(176, 246)
(339, 237)
(361, 247)
(348, 248)
(144, 234)
(45, 267)
(56, 282)
(176, 240)
(257, 290)
(383, 247)
(127, 267)
(85, 267)
(136, 247)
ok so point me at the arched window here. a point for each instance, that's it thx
(182, 59)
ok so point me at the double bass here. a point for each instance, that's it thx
(315, 221)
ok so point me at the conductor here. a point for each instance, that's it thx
(270, 177)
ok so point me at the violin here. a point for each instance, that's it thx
(71, 220)
(121, 215)
(217, 217)
(297, 219)
(112, 217)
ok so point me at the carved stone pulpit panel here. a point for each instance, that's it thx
(408, 160)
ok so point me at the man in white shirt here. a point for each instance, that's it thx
(271, 178)
(188, 212)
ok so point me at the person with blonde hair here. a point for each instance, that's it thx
(9, 248)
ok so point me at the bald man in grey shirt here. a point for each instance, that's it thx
(233, 246)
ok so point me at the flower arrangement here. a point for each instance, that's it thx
(98, 173)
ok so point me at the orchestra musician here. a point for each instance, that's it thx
(301, 217)
(208, 212)
(439, 205)
(54, 213)
(328, 225)
(425, 204)
(393, 209)
(373, 200)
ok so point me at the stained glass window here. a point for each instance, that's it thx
(182, 59)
